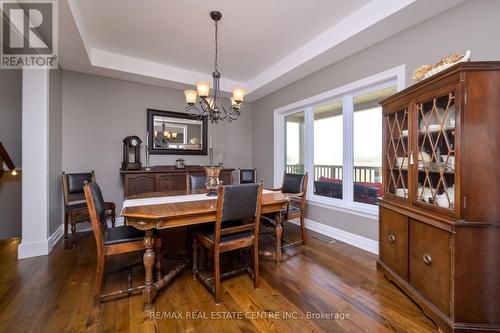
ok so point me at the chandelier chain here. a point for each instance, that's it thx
(216, 48)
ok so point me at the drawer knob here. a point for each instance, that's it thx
(392, 238)
(427, 259)
(141, 223)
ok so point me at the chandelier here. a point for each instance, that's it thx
(212, 105)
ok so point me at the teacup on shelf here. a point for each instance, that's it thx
(442, 201)
(401, 192)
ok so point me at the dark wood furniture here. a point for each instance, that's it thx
(440, 240)
(75, 208)
(164, 179)
(5, 158)
(236, 227)
(247, 176)
(163, 216)
(118, 240)
(295, 185)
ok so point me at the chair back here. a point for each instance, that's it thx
(248, 176)
(196, 182)
(238, 203)
(73, 185)
(95, 204)
(294, 183)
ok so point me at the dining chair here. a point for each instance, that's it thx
(236, 227)
(296, 185)
(75, 208)
(114, 241)
(196, 181)
(247, 176)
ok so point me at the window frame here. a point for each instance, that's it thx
(346, 93)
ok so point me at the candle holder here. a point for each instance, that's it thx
(211, 156)
(212, 181)
(148, 167)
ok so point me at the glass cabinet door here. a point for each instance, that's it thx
(435, 151)
(396, 153)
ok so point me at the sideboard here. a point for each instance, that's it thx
(164, 179)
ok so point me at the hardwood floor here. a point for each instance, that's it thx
(54, 294)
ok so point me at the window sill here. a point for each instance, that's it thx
(363, 210)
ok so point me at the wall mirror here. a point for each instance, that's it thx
(174, 133)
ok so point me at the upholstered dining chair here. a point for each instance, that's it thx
(247, 176)
(236, 227)
(196, 182)
(113, 241)
(296, 185)
(75, 207)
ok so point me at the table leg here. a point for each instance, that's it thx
(150, 287)
(279, 233)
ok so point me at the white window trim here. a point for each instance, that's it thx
(394, 76)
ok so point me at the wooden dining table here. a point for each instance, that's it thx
(148, 217)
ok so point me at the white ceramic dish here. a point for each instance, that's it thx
(402, 162)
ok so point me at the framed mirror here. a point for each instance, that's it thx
(174, 133)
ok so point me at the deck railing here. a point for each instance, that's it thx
(367, 174)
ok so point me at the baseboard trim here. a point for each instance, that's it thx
(85, 227)
(358, 241)
(39, 248)
(32, 249)
(56, 235)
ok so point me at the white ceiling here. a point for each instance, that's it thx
(264, 45)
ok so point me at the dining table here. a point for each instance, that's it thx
(163, 210)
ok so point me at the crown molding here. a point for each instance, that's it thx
(323, 50)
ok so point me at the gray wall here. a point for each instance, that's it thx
(473, 25)
(55, 150)
(99, 112)
(10, 136)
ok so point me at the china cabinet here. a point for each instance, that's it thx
(440, 213)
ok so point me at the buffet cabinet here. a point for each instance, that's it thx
(164, 179)
(439, 230)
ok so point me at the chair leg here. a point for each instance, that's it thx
(101, 260)
(65, 226)
(303, 227)
(113, 217)
(217, 276)
(195, 257)
(256, 274)
(73, 231)
(159, 274)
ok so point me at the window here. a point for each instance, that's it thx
(336, 137)
(367, 147)
(328, 150)
(294, 145)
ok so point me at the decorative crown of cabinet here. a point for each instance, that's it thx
(164, 179)
(439, 233)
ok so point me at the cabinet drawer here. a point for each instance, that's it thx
(430, 263)
(171, 182)
(393, 241)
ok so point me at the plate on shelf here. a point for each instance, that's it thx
(435, 123)
(404, 133)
